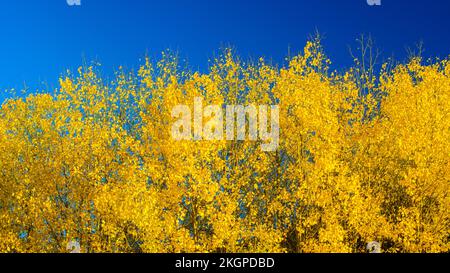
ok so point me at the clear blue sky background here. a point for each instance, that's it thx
(41, 39)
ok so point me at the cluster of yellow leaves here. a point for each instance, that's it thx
(95, 162)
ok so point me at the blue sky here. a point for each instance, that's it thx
(41, 39)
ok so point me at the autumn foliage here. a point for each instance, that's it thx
(361, 158)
